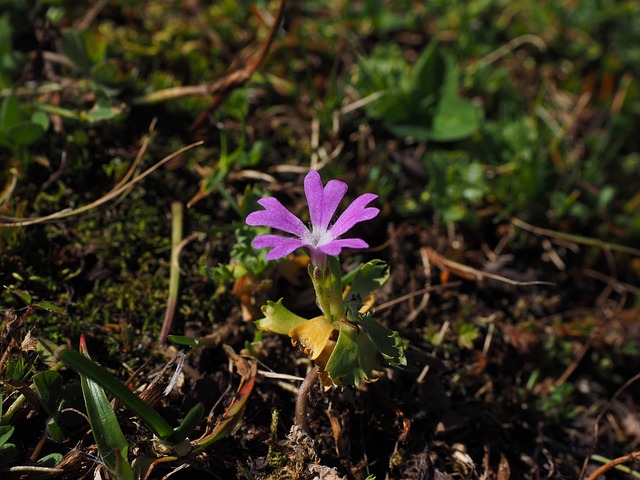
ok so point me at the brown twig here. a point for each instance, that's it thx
(302, 400)
(635, 457)
(240, 77)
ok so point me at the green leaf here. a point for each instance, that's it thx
(371, 276)
(109, 438)
(8, 452)
(109, 382)
(72, 46)
(21, 294)
(278, 318)
(9, 112)
(50, 460)
(428, 73)
(42, 119)
(189, 423)
(182, 340)
(94, 46)
(54, 430)
(387, 342)
(343, 366)
(5, 433)
(48, 386)
(24, 133)
(418, 133)
(50, 307)
(104, 110)
(456, 118)
(110, 73)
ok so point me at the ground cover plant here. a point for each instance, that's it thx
(431, 206)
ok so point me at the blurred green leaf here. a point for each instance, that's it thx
(9, 112)
(455, 118)
(105, 109)
(95, 46)
(42, 119)
(21, 294)
(182, 340)
(48, 385)
(25, 133)
(50, 307)
(72, 46)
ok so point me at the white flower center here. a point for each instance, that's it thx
(317, 237)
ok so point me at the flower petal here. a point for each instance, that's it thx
(355, 213)
(281, 246)
(334, 247)
(275, 215)
(323, 202)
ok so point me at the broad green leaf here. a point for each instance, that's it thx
(387, 342)
(24, 133)
(278, 318)
(371, 276)
(344, 364)
(456, 118)
(104, 424)
(368, 356)
(48, 386)
(9, 112)
(42, 119)
(109, 382)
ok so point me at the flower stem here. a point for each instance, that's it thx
(322, 286)
(302, 400)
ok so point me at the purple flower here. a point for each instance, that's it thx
(321, 239)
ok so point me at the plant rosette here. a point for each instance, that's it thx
(346, 343)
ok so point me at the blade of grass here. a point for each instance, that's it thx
(106, 431)
(109, 382)
(593, 242)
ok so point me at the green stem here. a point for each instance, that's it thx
(174, 270)
(335, 288)
(327, 283)
(322, 286)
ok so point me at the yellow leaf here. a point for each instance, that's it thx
(313, 336)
